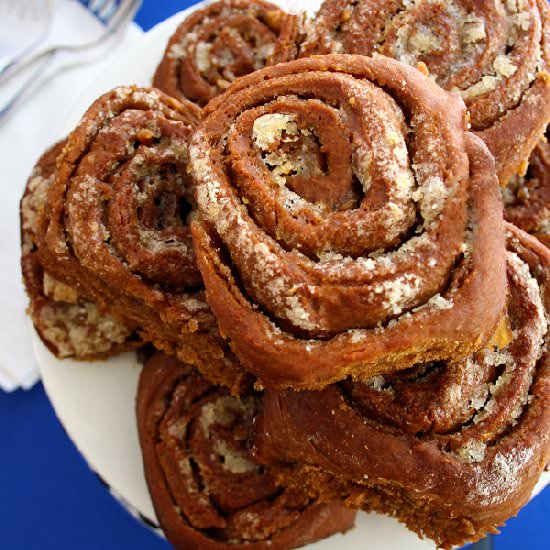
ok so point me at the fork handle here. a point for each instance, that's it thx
(124, 15)
(26, 88)
(23, 61)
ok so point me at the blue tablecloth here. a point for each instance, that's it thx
(49, 499)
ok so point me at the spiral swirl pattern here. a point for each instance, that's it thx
(349, 220)
(115, 223)
(527, 198)
(495, 54)
(451, 448)
(221, 42)
(69, 325)
(206, 491)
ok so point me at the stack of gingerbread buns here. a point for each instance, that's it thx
(303, 221)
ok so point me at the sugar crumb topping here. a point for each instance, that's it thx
(494, 482)
(202, 57)
(473, 29)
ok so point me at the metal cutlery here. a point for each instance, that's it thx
(114, 16)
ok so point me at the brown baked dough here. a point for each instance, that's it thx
(495, 54)
(115, 224)
(350, 225)
(69, 325)
(207, 493)
(221, 42)
(527, 198)
(451, 449)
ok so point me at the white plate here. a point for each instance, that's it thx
(95, 402)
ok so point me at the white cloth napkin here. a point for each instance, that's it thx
(23, 138)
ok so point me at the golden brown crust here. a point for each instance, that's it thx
(68, 324)
(495, 54)
(350, 225)
(527, 198)
(207, 493)
(115, 224)
(451, 449)
(221, 42)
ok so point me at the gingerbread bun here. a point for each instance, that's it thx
(221, 42)
(115, 224)
(452, 449)
(350, 223)
(207, 493)
(495, 54)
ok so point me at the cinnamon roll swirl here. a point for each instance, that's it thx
(69, 325)
(207, 493)
(350, 225)
(452, 449)
(495, 54)
(221, 42)
(527, 198)
(115, 224)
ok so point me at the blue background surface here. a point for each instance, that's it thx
(49, 499)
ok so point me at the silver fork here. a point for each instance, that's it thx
(24, 25)
(114, 14)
